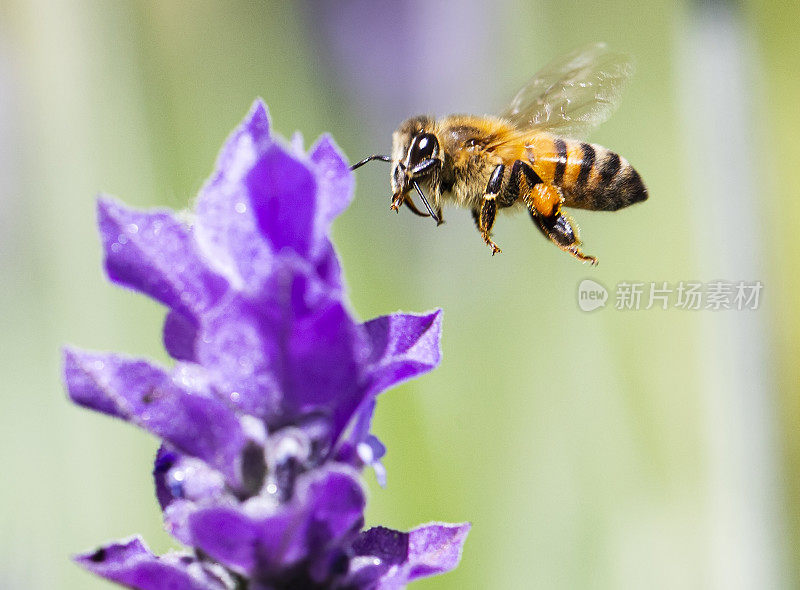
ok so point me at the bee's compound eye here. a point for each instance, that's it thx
(423, 148)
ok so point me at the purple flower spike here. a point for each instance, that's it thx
(265, 416)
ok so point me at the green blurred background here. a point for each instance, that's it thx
(639, 449)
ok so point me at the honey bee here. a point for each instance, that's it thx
(530, 156)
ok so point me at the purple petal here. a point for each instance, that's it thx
(262, 199)
(328, 506)
(282, 191)
(251, 137)
(334, 193)
(176, 519)
(241, 357)
(292, 353)
(403, 346)
(336, 506)
(428, 550)
(131, 564)
(153, 253)
(371, 451)
(334, 180)
(296, 145)
(183, 484)
(323, 369)
(388, 545)
(225, 228)
(232, 538)
(327, 265)
(358, 447)
(435, 548)
(180, 334)
(166, 459)
(164, 405)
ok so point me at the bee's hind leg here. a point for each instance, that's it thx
(559, 228)
(544, 204)
(484, 218)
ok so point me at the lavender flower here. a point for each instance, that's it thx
(265, 415)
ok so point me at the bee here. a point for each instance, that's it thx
(530, 156)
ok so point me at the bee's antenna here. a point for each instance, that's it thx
(369, 159)
(425, 202)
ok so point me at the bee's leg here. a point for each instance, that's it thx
(440, 216)
(555, 225)
(489, 207)
(520, 182)
(486, 221)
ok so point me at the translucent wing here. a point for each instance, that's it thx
(572, 94)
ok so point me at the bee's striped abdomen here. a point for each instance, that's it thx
(589, 176)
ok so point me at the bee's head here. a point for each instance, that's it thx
(416, 157)
(416, 153)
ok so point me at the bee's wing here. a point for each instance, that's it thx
(572, 94)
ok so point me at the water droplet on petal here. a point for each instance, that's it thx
(240, 207)
(132, 228)
(175, 480)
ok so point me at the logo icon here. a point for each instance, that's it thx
(591, 295)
